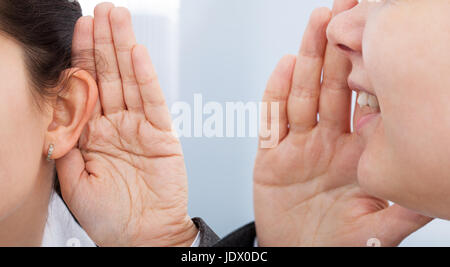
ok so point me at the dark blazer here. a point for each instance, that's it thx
(207, 236)
(243, 237)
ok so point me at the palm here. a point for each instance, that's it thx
(126, 158)
(315, 153)
(315, 190)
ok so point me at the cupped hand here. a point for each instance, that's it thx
(126, 180)
(305, 187)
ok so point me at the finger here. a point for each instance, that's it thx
(304, 95)
(336, 97)
(398, 223)
(83, 55)
(155, 107)
(71, 171)
(108, 75)
(124, 41)
(277, 91)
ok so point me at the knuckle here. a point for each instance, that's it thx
(274, 96)
(129, 79)
(109, 77)
(333, 84)
(104, 40)
(147, 80)
(124, 49)
(304, 92)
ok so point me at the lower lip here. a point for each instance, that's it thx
(365, 120)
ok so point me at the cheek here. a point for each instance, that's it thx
(21, 141)
(406, 161)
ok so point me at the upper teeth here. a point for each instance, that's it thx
(365, 99)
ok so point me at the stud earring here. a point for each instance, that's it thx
(51, 148)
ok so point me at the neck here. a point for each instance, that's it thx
(25, 226)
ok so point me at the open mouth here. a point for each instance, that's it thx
(367, 110)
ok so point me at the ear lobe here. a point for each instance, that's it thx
(73, 109)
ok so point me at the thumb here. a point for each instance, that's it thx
(71, 171)
(398, 223)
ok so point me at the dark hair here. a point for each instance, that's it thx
(44, 29)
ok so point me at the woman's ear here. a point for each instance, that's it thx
(73, 108)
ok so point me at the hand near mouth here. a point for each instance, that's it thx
(126, 182)
(305, 188)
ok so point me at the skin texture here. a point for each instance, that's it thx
(324, 185)
(126, 181)
(121, 170)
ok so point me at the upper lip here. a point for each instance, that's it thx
(357, 87)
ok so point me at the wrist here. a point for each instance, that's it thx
(186, 236)
(180, 235)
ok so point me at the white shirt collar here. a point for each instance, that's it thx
(61, 229)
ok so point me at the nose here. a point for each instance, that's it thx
(345, 30)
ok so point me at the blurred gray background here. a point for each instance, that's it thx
(226, 50)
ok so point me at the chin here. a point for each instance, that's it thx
(371, 178)
(380, 179)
